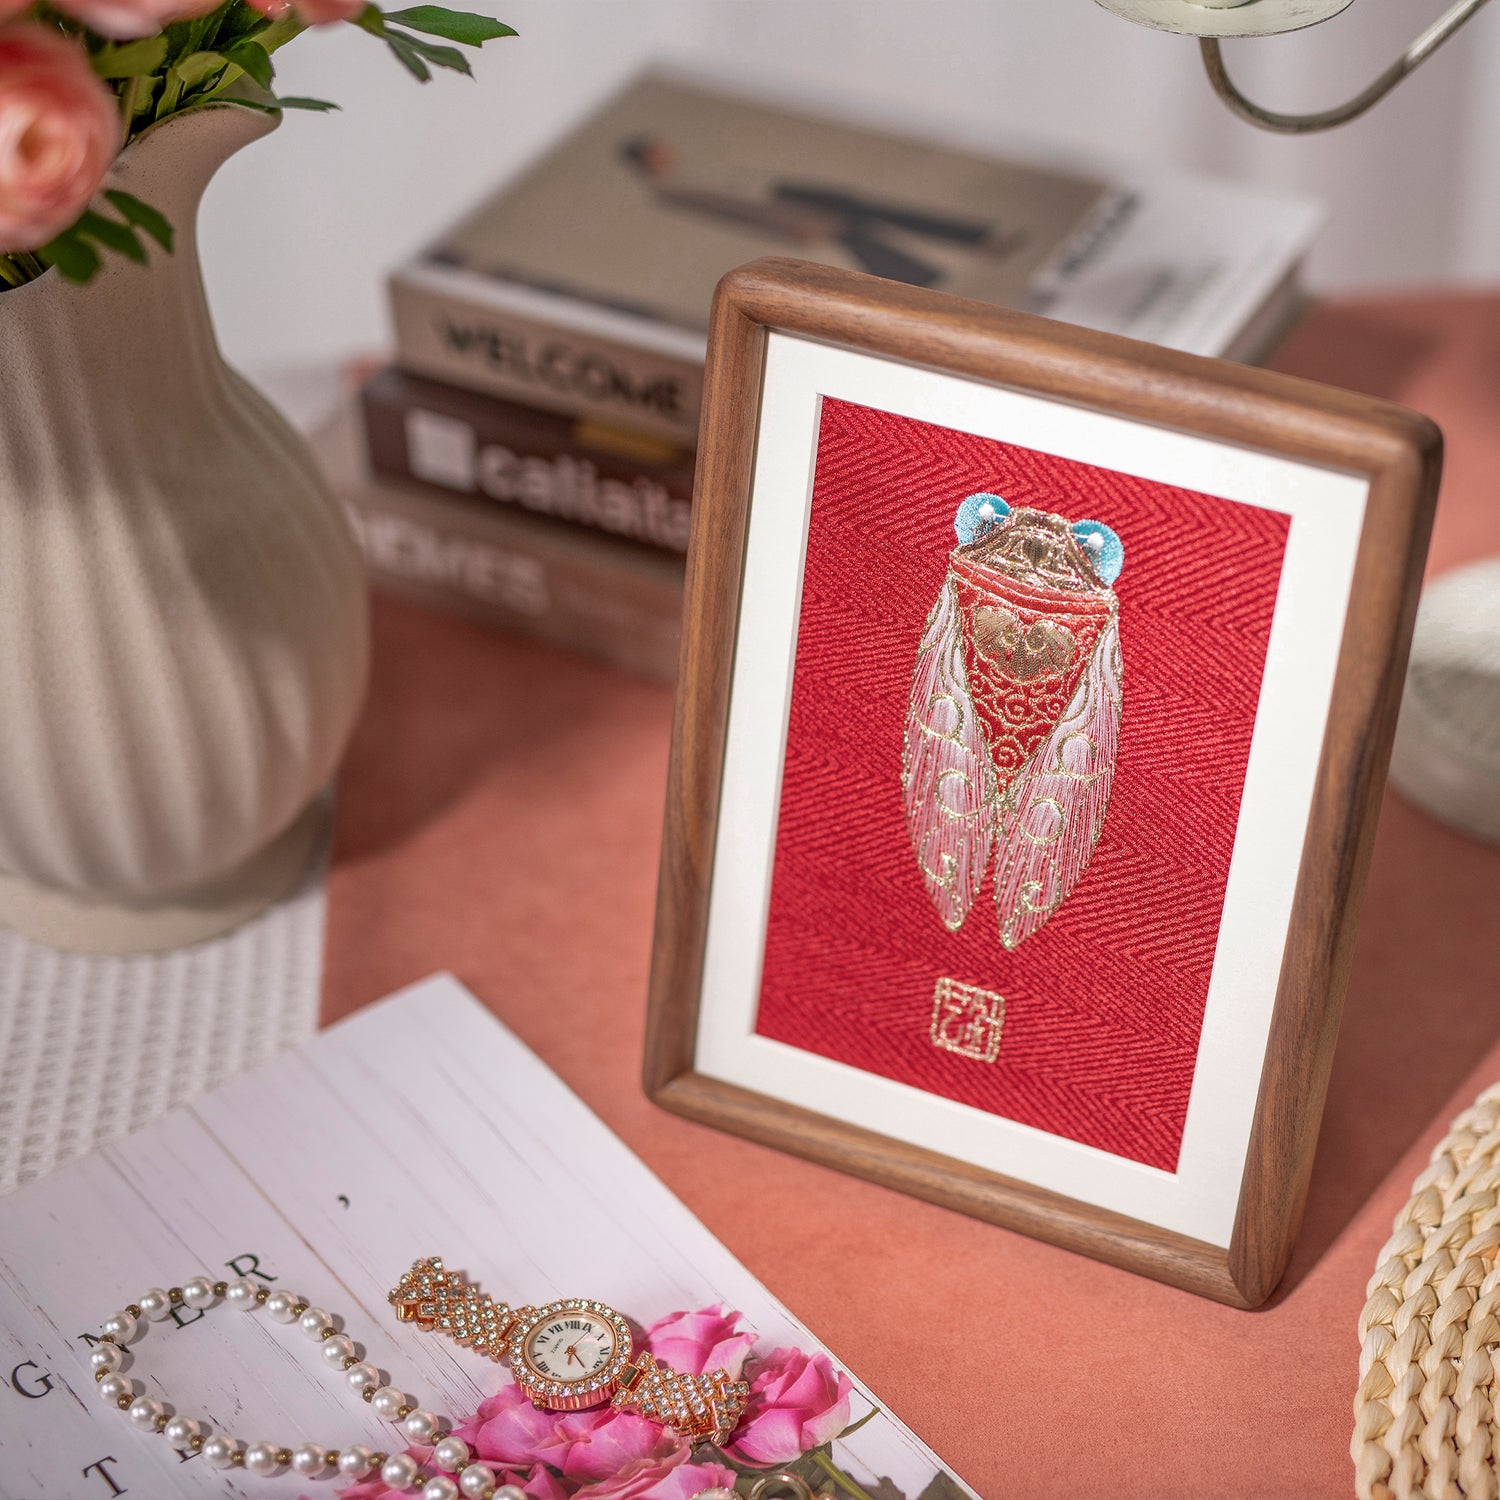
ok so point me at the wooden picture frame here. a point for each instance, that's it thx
(944, 348)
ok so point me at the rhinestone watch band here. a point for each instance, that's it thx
(435, 1299)
(702, 1408)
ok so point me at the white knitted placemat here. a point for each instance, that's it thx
(91, 1048)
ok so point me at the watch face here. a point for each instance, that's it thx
(571, 1353)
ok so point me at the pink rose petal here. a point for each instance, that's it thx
(670, 1478)
(59, 132)
(797, 1402)
(695, 1343)
(604, 1442)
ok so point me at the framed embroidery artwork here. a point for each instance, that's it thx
(1036, 696)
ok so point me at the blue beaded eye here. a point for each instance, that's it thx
(1102, 548)
(977, 514)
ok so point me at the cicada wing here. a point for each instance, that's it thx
(947, 781)
(1052, 814)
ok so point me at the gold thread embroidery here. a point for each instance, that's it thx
(1031, 810)
(1022, 653)
(967, 1020)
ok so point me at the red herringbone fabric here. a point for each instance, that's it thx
(1104, 1004)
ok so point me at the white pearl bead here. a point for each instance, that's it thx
(309, 1458)
(420, 1426)
(510, 1492)
(155, 1304)
(399, 1472)
(477, 1482)
(440, 1487)
(718, 1492)
(106, 1357)
(360, 1377)
(337, 1349)
(112, 1387)
(314, 1321)
(451, 1454)
(144, 1411)
(220, 1450)
(120, 1326)
(199, 1292)
(354, 1461)
(180, 1431)
(262, 1458)
(241, 1294)
(386, 1402)
(279, 1306)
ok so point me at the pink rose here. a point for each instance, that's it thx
(122, 19)
(696, 1343)
(669, 1478)
(9, 8)
(325, 12)
(58, 134)
(796, 1403)
(540, 1484)
(507, 1429)
(605, 1442)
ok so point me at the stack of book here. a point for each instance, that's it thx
(528, 456)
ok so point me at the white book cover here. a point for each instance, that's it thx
(420, 1126)
(584, 285)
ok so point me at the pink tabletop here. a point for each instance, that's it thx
(499, 816)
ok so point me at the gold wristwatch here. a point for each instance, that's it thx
(570, 1355)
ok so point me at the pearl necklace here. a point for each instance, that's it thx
(399, 1471)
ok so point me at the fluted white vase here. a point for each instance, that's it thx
(183, 617)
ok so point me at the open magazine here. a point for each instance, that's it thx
(419, 1127)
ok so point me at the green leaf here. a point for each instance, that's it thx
(120, 238)
(74, 258)
(457, 25)
(371, 20)
(854, 1427)
(138, 99)
(411, 59)
(131, 59)
(253, 59)
(240, 22)
(443, 57)
(270, 106)
(186, 37)
(143, 216)
(198, 67)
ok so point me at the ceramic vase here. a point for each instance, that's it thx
(183, 616)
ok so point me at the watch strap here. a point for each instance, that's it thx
(439, 1300)
(703, 1408)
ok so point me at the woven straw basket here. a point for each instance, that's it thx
(1424, 1417)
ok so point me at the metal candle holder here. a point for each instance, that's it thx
(1212, 20)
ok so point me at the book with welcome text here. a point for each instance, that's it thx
(583, 287)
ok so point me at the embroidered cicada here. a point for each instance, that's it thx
(1014, 721)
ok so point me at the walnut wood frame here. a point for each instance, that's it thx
(1398, 451)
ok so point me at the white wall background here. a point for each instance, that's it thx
(298, 231)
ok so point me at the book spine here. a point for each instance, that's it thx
(422, 433)
(450, 557)
(448, 336)
(582, 594)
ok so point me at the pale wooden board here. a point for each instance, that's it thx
(446, 1136)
